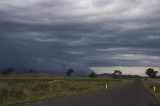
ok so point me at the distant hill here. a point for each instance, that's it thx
(105, 75)
(123, 76)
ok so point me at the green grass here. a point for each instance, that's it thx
(149, 85)
(29, 87)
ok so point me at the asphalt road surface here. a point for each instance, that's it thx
(131, 95)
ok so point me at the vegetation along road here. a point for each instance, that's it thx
(15, 89)
(130, 95)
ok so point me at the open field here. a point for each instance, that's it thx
(23, 88)
(149, 85)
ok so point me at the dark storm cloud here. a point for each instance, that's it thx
(54, 35)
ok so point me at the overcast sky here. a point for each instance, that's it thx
(57, 34)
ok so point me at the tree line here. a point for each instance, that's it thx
(116, 74)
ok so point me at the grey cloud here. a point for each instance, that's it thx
(54, 35)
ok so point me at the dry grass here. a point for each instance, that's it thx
(149, 84)
(15, 90)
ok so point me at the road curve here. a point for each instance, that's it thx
(131, 95)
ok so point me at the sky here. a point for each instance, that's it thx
(125, 70)
(53, 35)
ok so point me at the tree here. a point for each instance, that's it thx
(7, 71)
(69, 72)
(117, 74)
(31, 71)
(93, 75)
(151, 73)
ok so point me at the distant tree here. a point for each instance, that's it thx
(69, 72)
(31, 71)
(92, 75)
(117, 74)
(151, 73)
(7, 71)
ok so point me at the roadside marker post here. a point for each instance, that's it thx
(106, 86)
(154, 88)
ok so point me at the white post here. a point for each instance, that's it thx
(154, 88)
(106, 86)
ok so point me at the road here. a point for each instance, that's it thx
(131, 95)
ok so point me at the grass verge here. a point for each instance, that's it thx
(149, 85)
(24, 88)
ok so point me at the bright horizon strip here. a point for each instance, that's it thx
(125, 70)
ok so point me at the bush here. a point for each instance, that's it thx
(93, 75)
(8, 71)
(69, 72)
